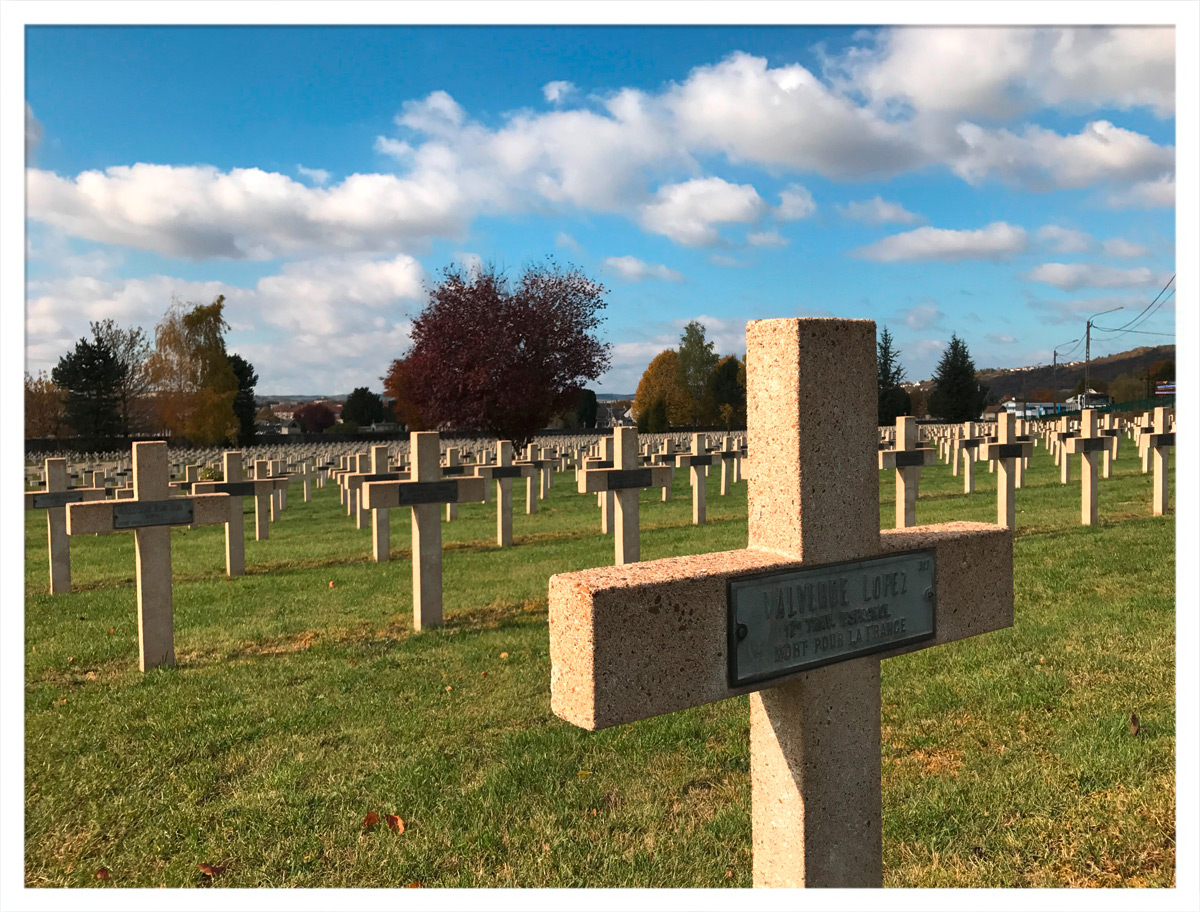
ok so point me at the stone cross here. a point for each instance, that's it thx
(606, 499)
(425, 492)
(968, 446)
(535, 483)
(1160, 443)
(667, 457)
(728, 455)
(236, 487)
(150, 514)
(697, 462)
(306, 476)
(503, 472)
(1062, 435)
(54, 499)
(452, 462)
(1006, 452)
(799, 620)
(265, 502)
(1088, 445)
(624, 481)
(907, 460)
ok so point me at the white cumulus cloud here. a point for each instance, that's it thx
(558, 90)
(877, 211)
(689, 213)
(795, 202)
(318, 176)
(1064, 240)
(766, 239)
(1092, 275)
(1123, 249)
(997, 241)
(631, 269)
(1150, 194)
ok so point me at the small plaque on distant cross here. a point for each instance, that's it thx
(781, 623)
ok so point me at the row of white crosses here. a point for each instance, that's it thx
(799, 620)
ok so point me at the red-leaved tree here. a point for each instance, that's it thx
(502, 358)
(315, 417)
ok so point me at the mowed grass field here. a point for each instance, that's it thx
(303, 700)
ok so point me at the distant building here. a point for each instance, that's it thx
(1089, 399)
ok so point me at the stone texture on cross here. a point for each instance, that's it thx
(152, 543)
(637, 641)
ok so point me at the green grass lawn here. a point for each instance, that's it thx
(298, 706)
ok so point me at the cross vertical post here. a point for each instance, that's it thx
(1088, 445)
(452, 461)
(1160, 444)
(907, 460)
(504, 521)
(264, 509)
(56, 529)
(426, 534)
(381, 527)
(235, 529)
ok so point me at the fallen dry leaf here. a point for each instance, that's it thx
(370, 820)
(331, 584)
(394, 823)
(211, 870)
(70, 659)
(111, 629)
(414, 883)
(102, 873)
(483, 674)
(504, 655)
(1135, 725)
(448, 687)
(583, 774)
(91, 676)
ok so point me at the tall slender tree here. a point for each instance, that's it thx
(131, 348)
(894, 400)
(697, 360)
(243, 402)
(726, 394)
(957, 393)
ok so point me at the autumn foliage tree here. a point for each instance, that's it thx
(501, 357)
(660, 381)
(44, 413)
(315, 417)
(195, 385)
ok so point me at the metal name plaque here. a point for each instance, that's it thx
(139, 514)
(426, 492)
(906, 459)
(55, 499)
(622, 479)
(499, 472)
(782, 623)
(1093, 444)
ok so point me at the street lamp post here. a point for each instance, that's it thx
(1054, 372)
(1087, 352)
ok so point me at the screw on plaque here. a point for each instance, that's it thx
(742, 631)
(929, 594)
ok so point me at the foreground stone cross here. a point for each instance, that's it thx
(54, 500)
(1088, 445)
(425, 493)
(907, 460)
(625, 480)
(150, 514)
(819, 583)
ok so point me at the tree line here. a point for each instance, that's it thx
(118, 382)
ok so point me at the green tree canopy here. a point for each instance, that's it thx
(364, 407)
(894, 400)
(957, 393)
(131, 348)
(90, 377)
(243, 402)
(697, 360)
(726, 394)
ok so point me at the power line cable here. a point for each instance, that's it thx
(1148, 306)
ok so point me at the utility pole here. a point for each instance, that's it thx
(1087, 354)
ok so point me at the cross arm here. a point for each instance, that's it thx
(1077, 445)
(383, 495)
(902, 459)
(97, 517)
(595, 481)
(41, 500)
(640, 640)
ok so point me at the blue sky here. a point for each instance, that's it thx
(1002, 184)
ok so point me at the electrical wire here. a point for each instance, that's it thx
(1148, 306)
